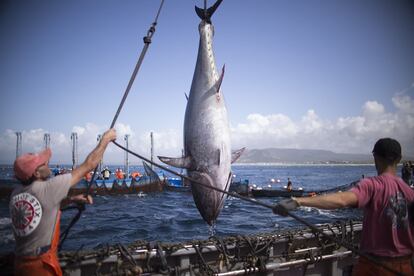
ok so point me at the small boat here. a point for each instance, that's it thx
(150, 182)
(176, 184)
(241, 187)
(275, 192)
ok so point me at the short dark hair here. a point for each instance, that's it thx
(389, 149)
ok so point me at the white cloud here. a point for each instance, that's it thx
(354, 134)
(311, 122)
(404, 103)
(262, 129)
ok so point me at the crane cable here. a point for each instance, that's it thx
(147, 41)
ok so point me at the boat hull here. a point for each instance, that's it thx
(277, 193)
(100, 187)
(175, 184)
(296, 252)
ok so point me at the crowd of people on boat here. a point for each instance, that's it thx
(59, 170)
(107, 174)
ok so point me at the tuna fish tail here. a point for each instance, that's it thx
(206, 14)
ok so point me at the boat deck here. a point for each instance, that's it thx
(297, 252)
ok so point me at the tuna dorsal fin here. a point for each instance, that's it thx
(180, 162)
(220, 80)
(207, 14)
(236, 154)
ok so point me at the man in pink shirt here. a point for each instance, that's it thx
(387, 203)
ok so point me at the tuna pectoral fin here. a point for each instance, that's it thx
(236, 154)
(180, 162)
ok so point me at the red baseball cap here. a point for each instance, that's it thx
(26, 164)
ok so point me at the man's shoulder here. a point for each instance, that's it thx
(34, 189)
(20, 188)
(384, 177)
(61, 178)
(369, 180)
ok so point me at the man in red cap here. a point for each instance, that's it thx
(34, 208)
(387, 203)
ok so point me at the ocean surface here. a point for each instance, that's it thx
(173, 217)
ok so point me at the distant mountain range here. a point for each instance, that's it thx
(275, 155)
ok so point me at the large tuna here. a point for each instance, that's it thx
(207, 148)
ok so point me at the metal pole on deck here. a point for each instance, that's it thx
(46, 139)
(182, 155)
(182, 170)
(126, 156)
(18, 144)
(98, 139)
(74, 138)
(152, 149)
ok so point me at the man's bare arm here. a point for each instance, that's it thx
(93, 158)
(330, 201)
(81, 199)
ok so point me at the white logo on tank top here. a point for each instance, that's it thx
(26, 213)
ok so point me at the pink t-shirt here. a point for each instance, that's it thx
(387, 227)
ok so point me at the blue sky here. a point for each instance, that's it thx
(333, 75)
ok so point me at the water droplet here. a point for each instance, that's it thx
(212, 230)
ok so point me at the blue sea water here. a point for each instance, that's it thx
(173, 217)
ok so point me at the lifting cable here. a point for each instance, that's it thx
(147, 42)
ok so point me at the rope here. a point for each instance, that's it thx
(338, 188)
(64, 234)
(204, 267)
(147, 42)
